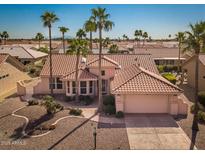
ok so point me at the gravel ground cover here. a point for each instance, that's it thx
(186, 123)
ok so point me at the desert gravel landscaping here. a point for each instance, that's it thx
(70, 133)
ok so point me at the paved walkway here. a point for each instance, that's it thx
(153, 131)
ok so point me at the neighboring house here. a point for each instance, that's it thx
(11, 71)
(189, 68)
(163, 56)
(25, 54)
(132, 78)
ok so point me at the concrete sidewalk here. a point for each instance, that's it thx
(155, 131)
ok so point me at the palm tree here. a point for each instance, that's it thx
(106, 42)
(90, 27)
(137, 34)
(100, 17)
(180, 36)
(80, 34)
(113, 49)
(39, 37)
(169, 36)
(48, 18)
(144, 35)
(78, 47)
(195, 43)
(63, 30)
(5, 36)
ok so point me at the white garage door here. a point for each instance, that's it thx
(146, 104)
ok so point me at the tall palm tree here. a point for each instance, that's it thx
(5, 36)
(101, 19)
(137, 35)
(90, 27)
(48, 18)
(80, 34)
(78, 47)
(180, 36)
(195, 43)
(63, 30)
(39, 37)
(144, 35)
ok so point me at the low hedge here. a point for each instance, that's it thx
(33, 102)
(109, 109)
(170, 77)
(119, 114)
(75, 112)
(201, 97)
(201, 116)
(109, 100)
(87, 100)
(167, 68)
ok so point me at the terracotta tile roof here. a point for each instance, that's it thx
(64, 64)
(105, 62)
(22, 52)
(3, 58)
(137, 80)
(82, 74)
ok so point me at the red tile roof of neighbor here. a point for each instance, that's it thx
(64, 64)
(137, 80)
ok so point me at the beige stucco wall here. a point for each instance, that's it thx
(190, 67)
(109, 72)
(43, 87)
(150, 104)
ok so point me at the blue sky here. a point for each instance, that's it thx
(23, 21)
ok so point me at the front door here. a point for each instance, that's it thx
(104, 86)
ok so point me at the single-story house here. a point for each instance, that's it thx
(163, 55)
(189, 68)
(133, 79)
(11, 71)
(25, 54)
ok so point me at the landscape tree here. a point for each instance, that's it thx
(113, 49)
(195, 42)
(48, 18)
(101, 19)
(106, 42)
(63, 30)
(5, 36)
(90, 27)
(80, 34)
(145, 36)
(180, 36)
(39, 37)
(78, 47)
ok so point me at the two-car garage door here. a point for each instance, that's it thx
(146, 104)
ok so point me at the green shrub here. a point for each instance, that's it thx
(32, 102)
(201, 116)
(119, 114)
(170, 77)
(109, 100)
(69, 98)
(201, 96)
(87, 100)
(59, 107)
(201, 108)
(49, 103)
(75, 112)
(109, 109)
(160, 68)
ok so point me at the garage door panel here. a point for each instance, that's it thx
(146, 104)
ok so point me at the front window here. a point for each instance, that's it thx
(83, 87)
(68, 87)
(103, 73)
(59, 83)
(73, 87)
(90, 87)
(52, 84)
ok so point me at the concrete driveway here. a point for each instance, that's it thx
(155, 131)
